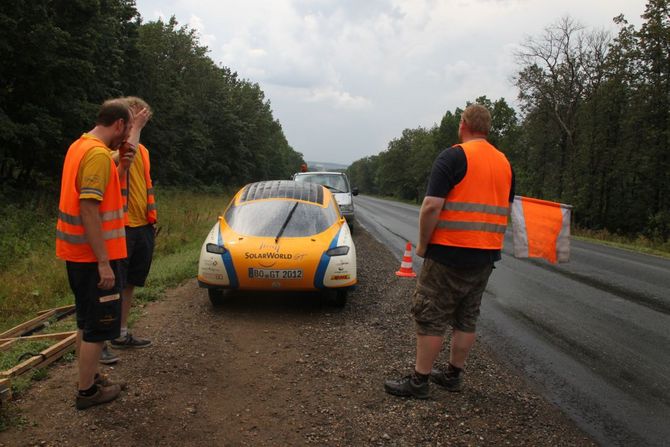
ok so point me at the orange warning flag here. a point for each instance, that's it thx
(541, 229)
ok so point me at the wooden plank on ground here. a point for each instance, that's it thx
(56, 351)
(55, 356)
(57, 309)
(28, 325)
(6, 344)
(52, 336)
(5, 390)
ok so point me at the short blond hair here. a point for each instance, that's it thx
(136, 103)
(477, 118)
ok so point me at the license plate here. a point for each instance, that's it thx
(274, 274)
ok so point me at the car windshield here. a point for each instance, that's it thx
(265, 218)
(334, 182)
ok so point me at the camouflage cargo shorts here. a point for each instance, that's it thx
(446, 296)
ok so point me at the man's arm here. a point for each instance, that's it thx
(129, 148)
(90, 218)
(428, 217)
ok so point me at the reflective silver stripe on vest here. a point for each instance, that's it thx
(151, 207)
(71, 238)
(76, 220)
(111, 215)
(124, 191)
(150, 191)
(114, 234)
(471, 226)
(476, 208)
(69, 218)
(81, 238)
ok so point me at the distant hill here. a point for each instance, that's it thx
(324, 166)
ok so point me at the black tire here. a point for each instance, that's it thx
(340, 298)
(216, 296)
(351, 228)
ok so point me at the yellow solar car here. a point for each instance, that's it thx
(279, 235)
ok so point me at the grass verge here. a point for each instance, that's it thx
(32, 279)
(640, 244)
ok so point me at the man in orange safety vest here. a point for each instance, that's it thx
(90, 237)
(462, 223)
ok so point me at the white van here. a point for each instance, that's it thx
(338, 184)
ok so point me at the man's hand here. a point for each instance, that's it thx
(140, 119)
(126, 156)
(106, 275)
(420, 251)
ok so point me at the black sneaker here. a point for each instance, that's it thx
(130, 342)
(107, 357)
(407, 387)
(448, 382)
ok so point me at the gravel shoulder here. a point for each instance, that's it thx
(268, 370)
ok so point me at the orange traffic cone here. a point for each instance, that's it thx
(406, 270)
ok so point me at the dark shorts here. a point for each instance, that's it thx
(98, 311)
(140, 244)
(448, 296)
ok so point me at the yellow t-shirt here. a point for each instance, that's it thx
(93, 173)
(137, 193)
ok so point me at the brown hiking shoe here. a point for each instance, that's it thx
(103, 380)
(103, 394)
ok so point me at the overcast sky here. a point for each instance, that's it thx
(347, 76)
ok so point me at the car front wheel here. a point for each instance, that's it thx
(340, 297)
(216, 296)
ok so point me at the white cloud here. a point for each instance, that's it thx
(339, 99)
(345, 76)
(206, 39)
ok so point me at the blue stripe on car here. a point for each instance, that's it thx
(323, 264)
(228, 263)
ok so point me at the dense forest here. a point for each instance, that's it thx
(593, 129)
(62, 58)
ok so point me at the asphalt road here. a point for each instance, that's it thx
(592, 334)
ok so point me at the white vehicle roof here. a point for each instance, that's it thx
(320, 172)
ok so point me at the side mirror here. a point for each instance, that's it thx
(354, 190)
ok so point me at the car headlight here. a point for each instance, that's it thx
(346, 208)
(215, 248)
(338, 251)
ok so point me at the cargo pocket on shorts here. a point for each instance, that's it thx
(108, 312)
(421, 306)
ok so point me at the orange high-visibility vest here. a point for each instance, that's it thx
(71, 242)
(475, 211)
(152, 214)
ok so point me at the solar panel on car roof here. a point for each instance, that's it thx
(283, 189)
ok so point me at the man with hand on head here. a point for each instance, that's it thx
(140, 219)
(90, 237)
(462, 223)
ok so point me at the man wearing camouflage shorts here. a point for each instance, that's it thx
(462, 223)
